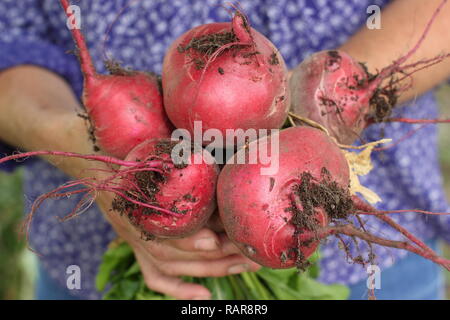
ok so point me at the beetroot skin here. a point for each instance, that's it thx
(226, 75)
(124, 108)
(188, 191)
(256, 209)
(331, 88)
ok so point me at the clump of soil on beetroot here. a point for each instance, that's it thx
(309, 195)
(148, 183)
(209, 43)
(326, 194)
(201, 48)
(383, 101)
(115, 68)
(273, 60)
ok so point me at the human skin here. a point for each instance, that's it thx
(38, 111)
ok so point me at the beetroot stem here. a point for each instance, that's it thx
(87, 65)
(417, 121)
(105, 159)
(380, 213)
(395, 66)
(351, 231)
(365, 208)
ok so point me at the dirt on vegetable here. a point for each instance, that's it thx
(311, 195)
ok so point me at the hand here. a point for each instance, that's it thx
(203, 254)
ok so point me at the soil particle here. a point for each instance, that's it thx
(189, 197)
(334, 61)
(382, 102)
(310, 195)
(273, 60)
(91, 130)
(116, 69)
(209, 43)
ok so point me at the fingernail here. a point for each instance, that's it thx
(239, 268)
(201, 298)
(206, 244)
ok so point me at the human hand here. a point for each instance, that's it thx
(203, 254)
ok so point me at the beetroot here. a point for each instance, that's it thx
(329, 87)
(226, 75)
(187, 190)
(336, 91)
(278, 220)
(163, 198)
(124, 108)
(258, 211)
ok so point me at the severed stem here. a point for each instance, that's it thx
(86, 63)
(350, 230)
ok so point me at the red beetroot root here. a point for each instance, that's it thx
(187, 190)
(279, 220)
(125, 108)
(161, 198)
(227, 75)
(259, 211)
(329, 87)
(336, 91)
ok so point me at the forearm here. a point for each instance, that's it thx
(402, 24)
(38, 111)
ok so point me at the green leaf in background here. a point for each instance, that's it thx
(304, 287)
(220, 287)
(135, 269)
(110, 262)
(319, 291)
(18, 265)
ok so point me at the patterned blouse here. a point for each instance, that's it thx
(35, 32)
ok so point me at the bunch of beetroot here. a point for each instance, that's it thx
(226, 75)
(230, 77)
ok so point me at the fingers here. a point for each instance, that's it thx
(203, 245)
(177, 288)
(203, 240)
(214, 268)
(162, 264)
(227, 246)
(172, 286)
